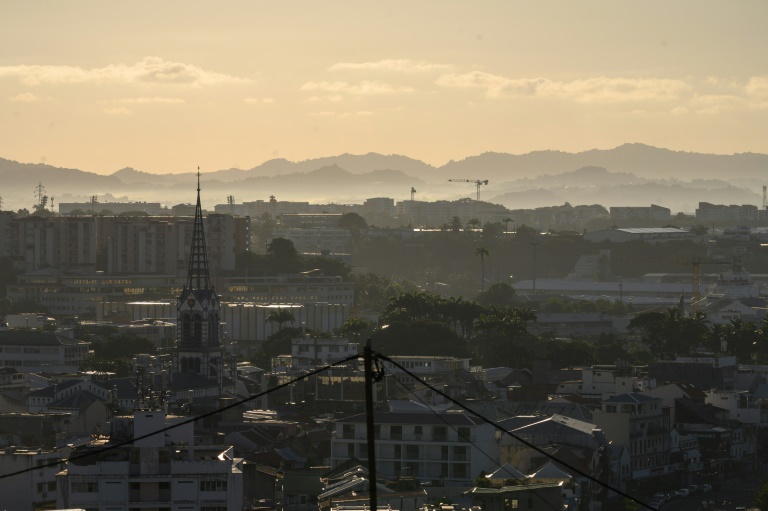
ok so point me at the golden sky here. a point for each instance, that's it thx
(167, 86)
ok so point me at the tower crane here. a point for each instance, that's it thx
(477, 182)
(697, 264)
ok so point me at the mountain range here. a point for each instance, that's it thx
(628, 175)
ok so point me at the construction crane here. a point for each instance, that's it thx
(477, 182)
(696, 273)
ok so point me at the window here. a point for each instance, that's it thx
(439, 434)
(85, 486)
(463, 434)
(412, 452)
(510, 504)
(395, 432)
(215, 485)
(348, 431)
(417, 431)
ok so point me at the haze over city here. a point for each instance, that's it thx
(167, 87)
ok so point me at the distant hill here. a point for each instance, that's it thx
(646, 161)
(631, 174)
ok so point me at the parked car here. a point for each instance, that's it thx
(661, 497)
(682, 492)
(705, 488)
(693, 488)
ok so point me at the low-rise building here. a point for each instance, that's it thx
(36, 487)
(452, 448)
(161, 469)
(637, 422)
(32, 351)
(647, 234)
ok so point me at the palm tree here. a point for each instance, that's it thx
(474, 223)
(280, 316)
(482, 251)
(506, 221)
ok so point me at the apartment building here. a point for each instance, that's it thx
(453, 448)
(113, 208)
(35, 489)
(708, 213)
(118, 244)
(66, 243)
(31, 351)
(638, 423)
(311, 352)
(160, 471)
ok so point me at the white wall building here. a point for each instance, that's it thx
(162, 471)
(740, 405)
(450, 447)
(35, 488)
(30, 351)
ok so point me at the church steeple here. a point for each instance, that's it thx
(198, 347)
(198, 276)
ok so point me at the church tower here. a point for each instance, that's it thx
(198, 348)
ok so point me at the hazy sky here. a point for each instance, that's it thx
(167, 86)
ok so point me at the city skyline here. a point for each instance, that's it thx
(165, 88)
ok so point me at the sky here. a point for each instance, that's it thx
(169, 86)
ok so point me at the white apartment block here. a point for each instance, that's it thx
(708, 213)
(453, 448)
(599, 382)
(741, 406)
(31, 352)
(165, 471)
(637, 422)
(428, 368)
(35, 489)
(310, 352)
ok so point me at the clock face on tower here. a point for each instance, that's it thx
(191, 302)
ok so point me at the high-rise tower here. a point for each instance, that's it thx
(198, 347)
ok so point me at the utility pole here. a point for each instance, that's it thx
(370, 430)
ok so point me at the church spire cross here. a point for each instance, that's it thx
(198, 276)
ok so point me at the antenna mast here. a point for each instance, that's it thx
(40, 194)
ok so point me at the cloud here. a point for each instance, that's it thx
(146, 100)
(328, 113)
(150, 70)
(119, 110)
(757, 86)
(259, 101)
(394, 65)
(333, 98)
(598, 89)
(362, 88)
(27, 97)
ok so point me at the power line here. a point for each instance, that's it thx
(184, 422)
(519, 439)
(520, 482)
